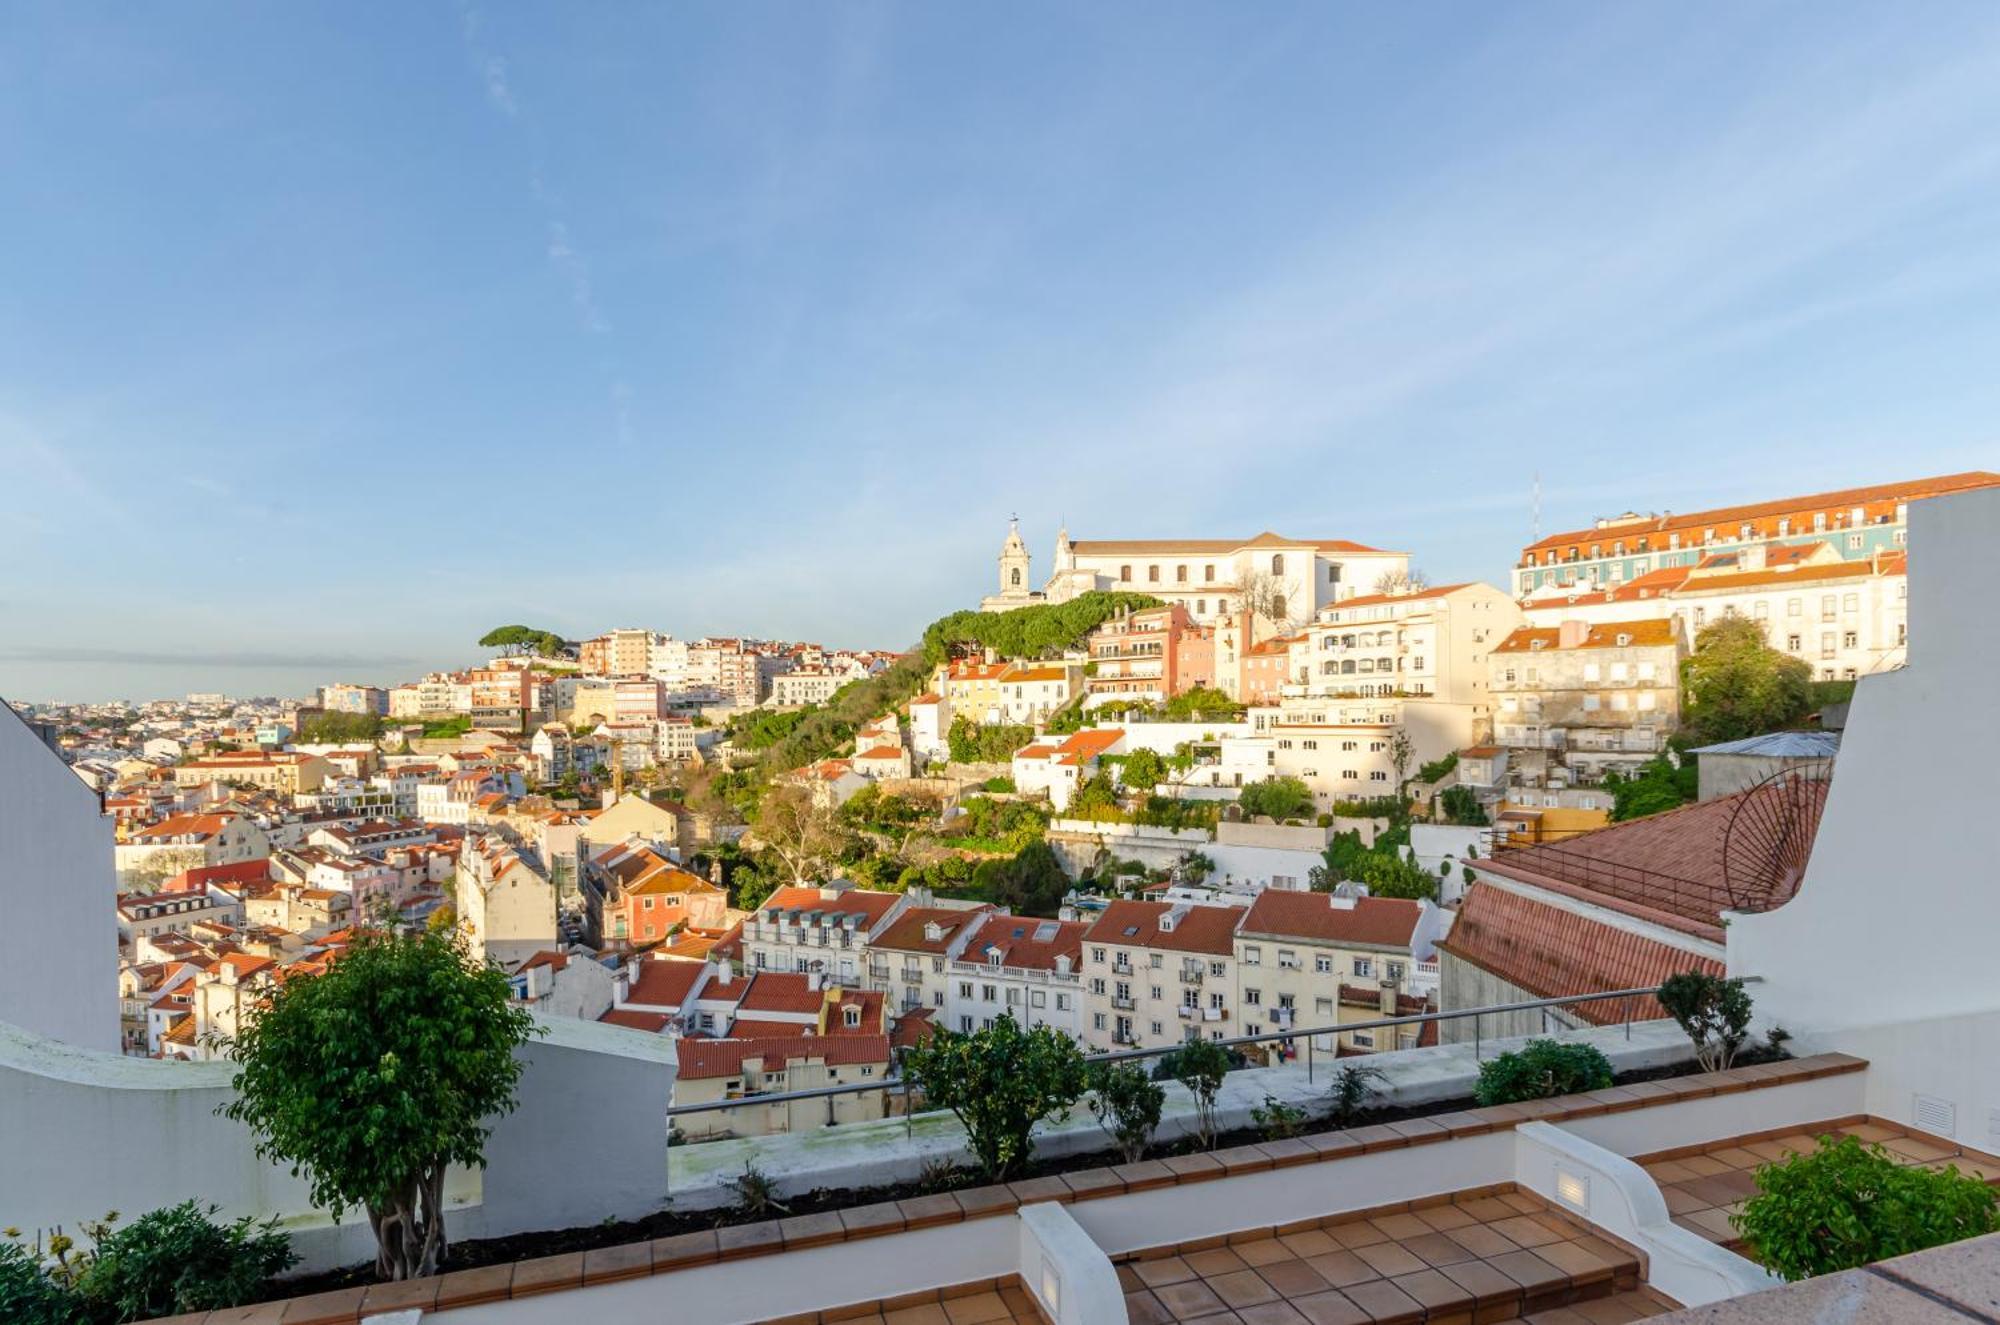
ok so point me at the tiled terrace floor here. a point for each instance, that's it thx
(1704, 1189)
(971, 1304)
(1487, 1257)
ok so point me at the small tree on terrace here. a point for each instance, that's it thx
(1401, 751)
(1715, 1013)
(1000, 1081)
(371, 1078)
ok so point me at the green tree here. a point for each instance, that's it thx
(1200, 1065)
(1278, 797)
(1096, 796)
(979, 743)
(1714, 1011)
(371, 1078)
(1542, 1068)
(1659, 785)
(1142, 770)
(802, 835)
(1461, 806)
(1737, 685)
(1040, 631)
(340, 728)
(514, 640)
(1032, 883)
(1844, 1206)
(1000, 1081)
(1401, 751)
(1202, 704)
(1390, 875)
(1127, 1105)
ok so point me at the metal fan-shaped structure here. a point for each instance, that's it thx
(1770, 835)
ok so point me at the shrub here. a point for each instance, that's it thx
(180, 1260)
(1278, 797)
(1713, 1011)
(1542, 1069)
(1199, 1065)
(1000, 1081)
(1277, 1119)
(1353, 1093)
(27, 1294)
(1845, 1206)
(757, 1194)
(1127, 1105)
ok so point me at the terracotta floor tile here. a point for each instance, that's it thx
(1389, 1259)
(1388, 1304)
(1244, 1288)
(1582, 1266)
(1436, 1249)
(1270, 1313)
(1145, 1309)
(1264, 1251)
(1341, 1268)
(1534, 1274)
(1356, 1233)
(1330, 1309)
(1482, 1241)
(1444, 1218)
(1128, 1278)
(1401, 1226)
(1438, 1294)
(1312, 1242)
(927, 1313)
(1522, 1202)
(1487, 1285)
(1681, 1201)
(1669, 1170)
(1216, 1260)
(1166, 1270)
(1295, 1278)
(1526, 1231)
(1701, 1166)
(1487, 1209)
(978, 1309)
(1190, 1300)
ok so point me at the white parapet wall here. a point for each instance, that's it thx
(90, 1132)
(1618, 1196)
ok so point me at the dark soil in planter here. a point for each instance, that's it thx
(667, 1223)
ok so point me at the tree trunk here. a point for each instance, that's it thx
(409, 1230)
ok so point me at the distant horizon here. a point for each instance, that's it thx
(335, 336)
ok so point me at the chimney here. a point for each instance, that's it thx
(1344, 897)
(1388, 998)
(815, 980)
(1571, 634)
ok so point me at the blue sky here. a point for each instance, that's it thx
(330, 336)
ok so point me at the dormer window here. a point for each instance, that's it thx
(933, 932)
(852, 1015)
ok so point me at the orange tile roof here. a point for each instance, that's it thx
(663, 984)
(1208, 929)
(1654, 632)
(1881, 494)
(1379, 922)
(1168, 547)
(706, 1060)
(1553, 952)
(864, 901)
(883, 752)
(757, 1028)
(633, 1019)
(1375, 599)
(782, 991)
(907, 934)
(1019, 941)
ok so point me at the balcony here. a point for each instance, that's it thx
(1122, 1004)
(1189, 977)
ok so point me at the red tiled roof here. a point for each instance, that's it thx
(1381, 922)
(912, 1029)
(873, 905)
(761, 1028)
(1650, 633)
(1883, 494)
(1376, 599)
(704, 1060)
(249, 871)
(633, 1019)
(1020, 949)
(1667, 868)
(907, 934)
(663, 984)
(1209, 929)
(1553, 952)
(782, 991)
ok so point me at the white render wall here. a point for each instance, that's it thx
(1887, 951)
(58, 919)
(88, 1132)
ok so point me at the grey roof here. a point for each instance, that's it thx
(1780, 745)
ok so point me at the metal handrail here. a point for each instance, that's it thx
(904, 1084)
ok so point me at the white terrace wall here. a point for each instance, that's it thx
(88, 1132)
(1887, 951)
(58, 926)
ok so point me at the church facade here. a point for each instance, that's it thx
(1285, 581)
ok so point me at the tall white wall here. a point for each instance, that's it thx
(1887, 951)
(58, 922)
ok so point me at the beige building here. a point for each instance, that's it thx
(1598, 697)
(1432, 642)
(1157, 973)
(285, 773)
(712, 1071)
(506, 903)
(1306, 960)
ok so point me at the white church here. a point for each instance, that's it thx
(1286, 578)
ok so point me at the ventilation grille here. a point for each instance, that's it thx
(1930, 1114)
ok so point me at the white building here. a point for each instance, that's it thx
(1295, 577)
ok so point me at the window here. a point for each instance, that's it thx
(965, 1023)
(1152, 574)
(1364, 968)
(1795, 607)
(1208, 574)
(1849, 639)
(1323, 963)
(1854, 542)
(1156, 1029)
(1125, 574)
(1215, 1001)
(1062, 1002)
(988, 994)
(1217, 969)
(1323, 1007)
(1762, 611)
(1395, 971)
(1096, 1021)
(1097, 956)
(1850, 603)
(1253, 998)
(1096, 986)
(1792, 643)
(1826, 606)
(1253, 956)
(965, 989)
(1277, 563)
